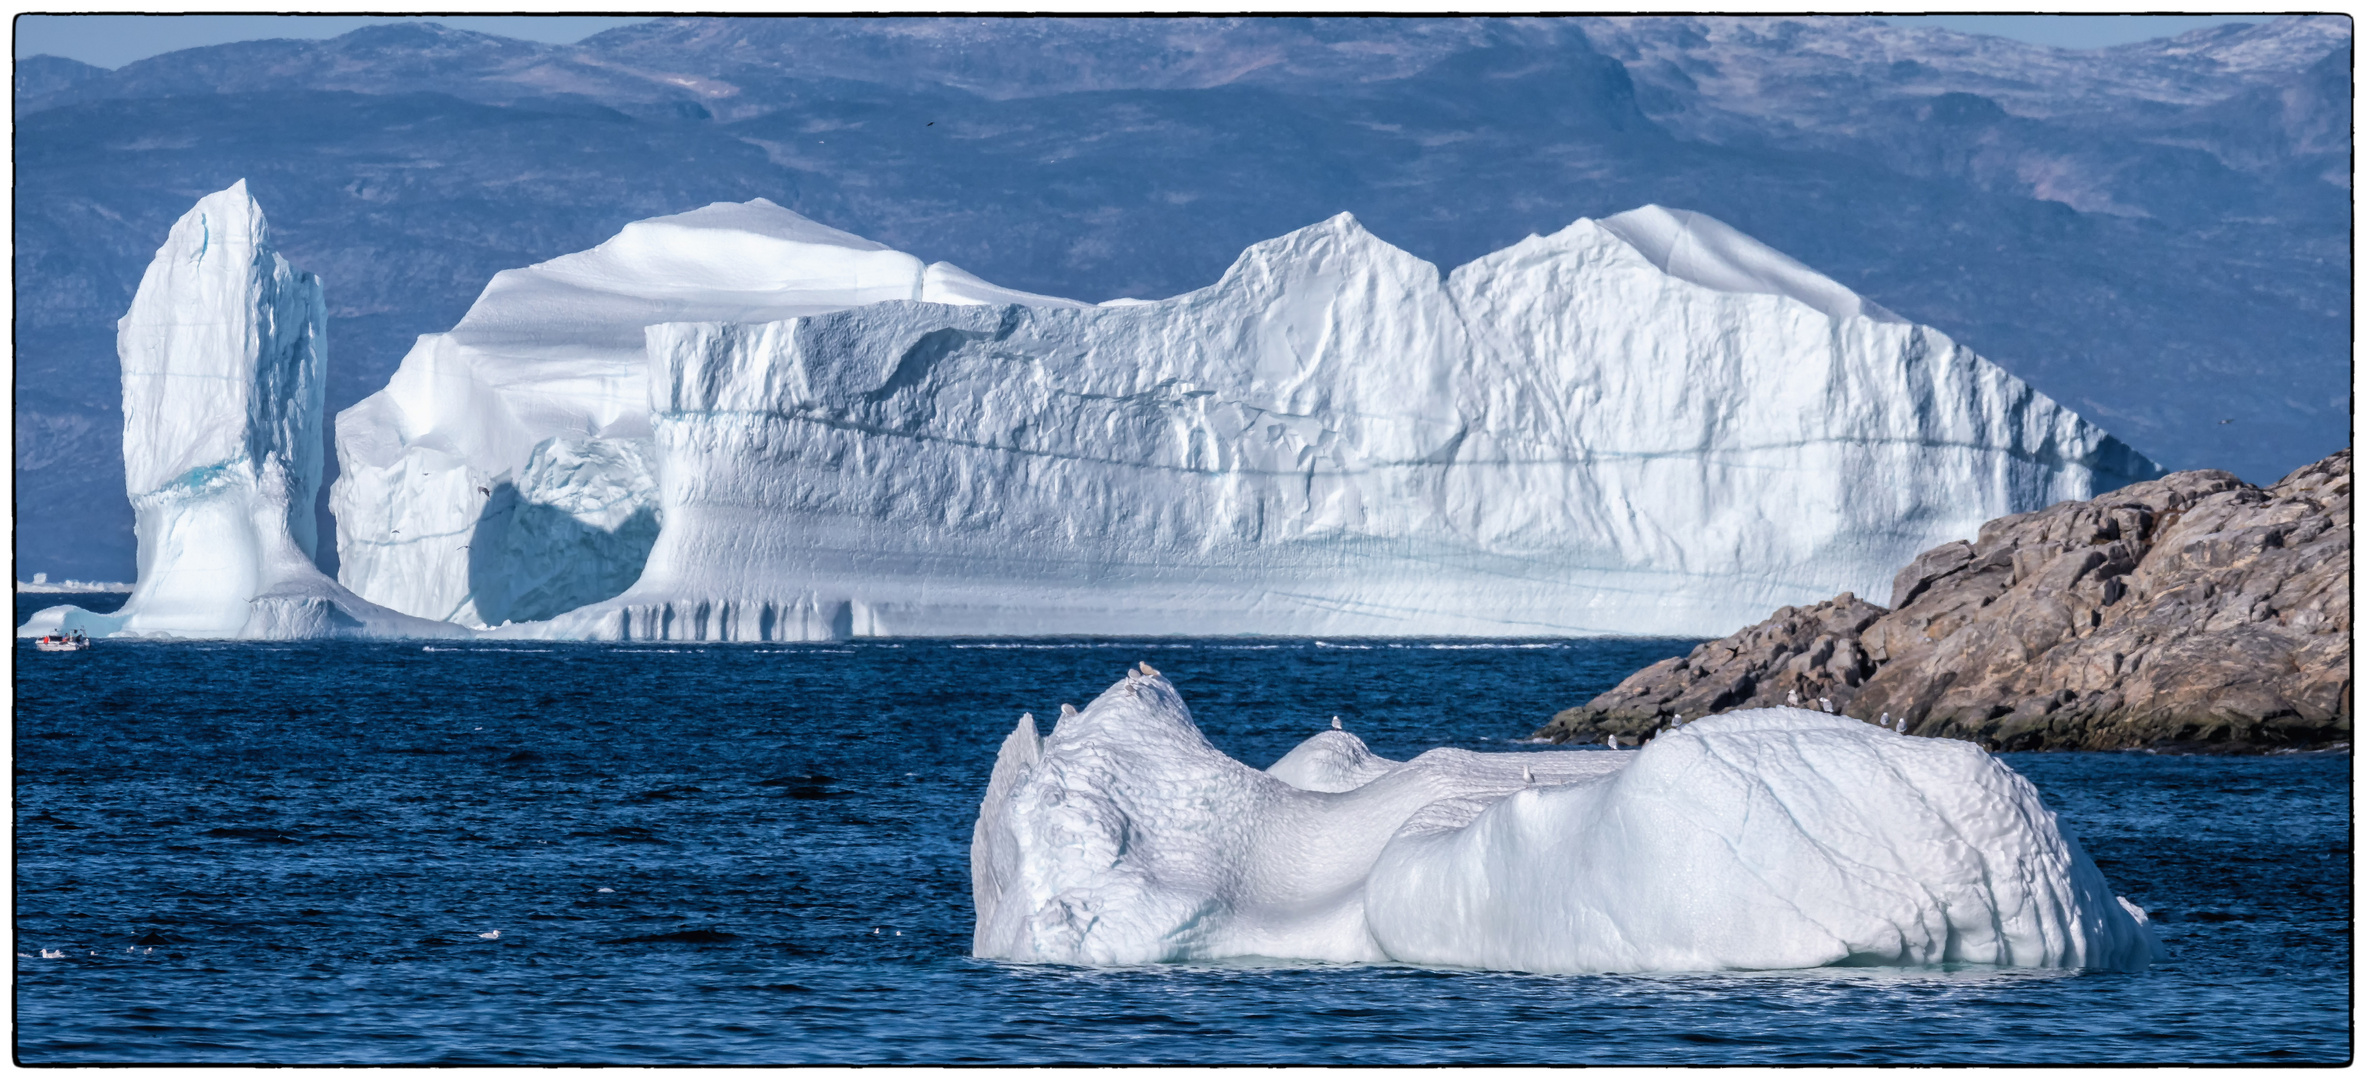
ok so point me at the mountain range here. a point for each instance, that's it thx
(2155, 235)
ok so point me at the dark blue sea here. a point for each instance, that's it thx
(302, 853)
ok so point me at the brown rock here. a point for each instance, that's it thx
(2191, 612)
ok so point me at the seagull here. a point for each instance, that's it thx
(1335, 725)
(1527, 775)
(1679, 721)
(1613, 740)
(1067, 710)
(1825, 702)
(1147, 669)
(1793, 699)
(491, 935)
(1885, 720)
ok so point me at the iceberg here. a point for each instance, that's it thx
(1762, 839)
(222, 355)
(1649, 424)
(737, 424)
(506, 473)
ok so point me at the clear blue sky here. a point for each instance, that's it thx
(115, 40)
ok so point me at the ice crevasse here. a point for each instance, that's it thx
(222, 355)
(1763, 839)
(738, 424)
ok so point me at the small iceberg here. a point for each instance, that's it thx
(1764, 839)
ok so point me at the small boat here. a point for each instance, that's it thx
(62, 642)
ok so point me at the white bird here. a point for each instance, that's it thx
(1335, 725)
(1067, 710)
(49, 954)
(1147, 669)
(1527, 775)
(1793, 699)
(1613, 741)
(1825, 702)
(1885, 720)
(604, 888)
(490, 935)
(1679, 721)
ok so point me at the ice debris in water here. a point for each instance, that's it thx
(1758, 839)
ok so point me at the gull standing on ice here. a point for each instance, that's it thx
(1793, 699)
(1825, 702)
(1335, 725)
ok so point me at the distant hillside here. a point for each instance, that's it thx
(2155, 235)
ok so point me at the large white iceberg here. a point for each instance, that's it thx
(222, 355)
(737, 424)
(507, 473)
(1772, 838)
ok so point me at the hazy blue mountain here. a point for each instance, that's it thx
(2156, 235)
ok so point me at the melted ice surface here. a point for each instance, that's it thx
(1771, 838)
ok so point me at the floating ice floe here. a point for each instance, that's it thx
(1771, 838)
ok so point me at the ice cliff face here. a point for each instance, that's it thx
(222, 356)
(1772, 838)
(1648, 424)
(769, 429)
(506, 471)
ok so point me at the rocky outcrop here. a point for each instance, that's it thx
(2192, 612)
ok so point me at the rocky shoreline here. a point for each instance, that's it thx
(2192, 613)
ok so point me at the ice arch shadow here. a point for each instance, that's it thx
(528, 561)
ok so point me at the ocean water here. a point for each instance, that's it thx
(528, 854)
